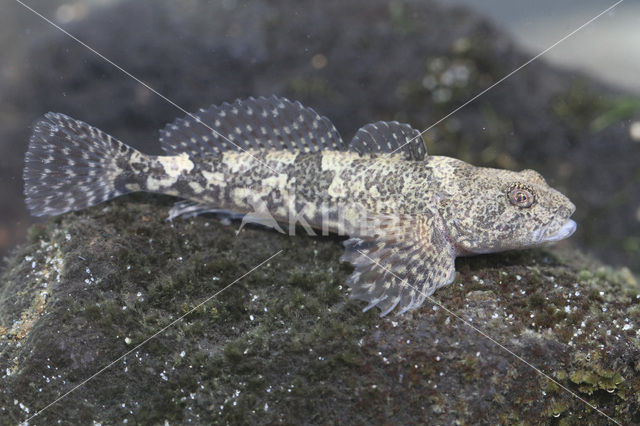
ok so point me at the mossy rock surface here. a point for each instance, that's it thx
(285, 343)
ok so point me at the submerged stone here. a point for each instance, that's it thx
(285, 342)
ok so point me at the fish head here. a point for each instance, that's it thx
(491, 210)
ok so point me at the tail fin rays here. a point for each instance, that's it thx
(70, 165)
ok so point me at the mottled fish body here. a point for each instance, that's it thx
(276, 162)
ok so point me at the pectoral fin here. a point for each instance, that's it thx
(402, 264)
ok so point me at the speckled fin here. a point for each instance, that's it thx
(401, 264)
(387, 137)
(255, 123)
(71, 165)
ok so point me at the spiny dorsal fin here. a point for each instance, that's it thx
(401, 263)
(255, 123)
(387, 137)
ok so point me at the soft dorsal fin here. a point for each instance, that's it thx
(271, 123)
(387, 137)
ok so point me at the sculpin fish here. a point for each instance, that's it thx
(408, 214)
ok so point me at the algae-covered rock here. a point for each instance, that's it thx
(166, 322)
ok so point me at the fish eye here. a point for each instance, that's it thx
(521, 197)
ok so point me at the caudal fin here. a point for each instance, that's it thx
(71, 165)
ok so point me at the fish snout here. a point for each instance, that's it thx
(566, 209)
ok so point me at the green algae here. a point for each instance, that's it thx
(589, 372)
(285, 341)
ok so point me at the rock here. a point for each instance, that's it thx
(161, 312)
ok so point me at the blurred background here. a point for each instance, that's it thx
(573, 115)
(608, 49)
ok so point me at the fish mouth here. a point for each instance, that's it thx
(565, 231)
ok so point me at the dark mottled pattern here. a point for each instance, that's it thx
(408, 214)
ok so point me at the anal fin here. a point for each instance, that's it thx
(259, 216)
(187, 209)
